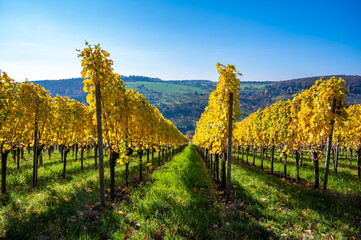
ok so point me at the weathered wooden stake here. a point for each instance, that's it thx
(100, 143)
(229, 146)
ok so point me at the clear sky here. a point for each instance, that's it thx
(184, 39)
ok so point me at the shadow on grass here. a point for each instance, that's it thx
(60, 217)
(343, 164)
(329, 204)
(55, 160)
(46, 176)
(307, 168)
(210, 217)
(54, 223)
(179, 201)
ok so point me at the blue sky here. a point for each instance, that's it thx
(266, 40)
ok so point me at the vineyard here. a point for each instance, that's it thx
(315, 122)
(117, 169)
(315, 125)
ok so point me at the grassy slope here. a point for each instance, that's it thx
(165, 87)
(181, 104)
(252, 86)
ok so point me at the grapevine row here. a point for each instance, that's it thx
(316, 121)
(30, 117)
(213, 128)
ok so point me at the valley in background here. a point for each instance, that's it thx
(183, 101)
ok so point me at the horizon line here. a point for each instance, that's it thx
(165, 80)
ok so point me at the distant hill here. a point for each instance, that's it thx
(183, 101)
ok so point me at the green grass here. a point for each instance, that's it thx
(44, 212)
(297, 211)
(179, 201)
(343, 182)
(165, 87)
(253, 86)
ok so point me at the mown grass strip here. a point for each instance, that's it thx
(173, 202)
(179, 202)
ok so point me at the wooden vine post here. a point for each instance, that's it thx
(329, 146)
(100, 143)
(229, 146)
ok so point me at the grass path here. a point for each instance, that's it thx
(179, 201)
(172, 203)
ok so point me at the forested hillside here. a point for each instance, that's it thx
(183, 101)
